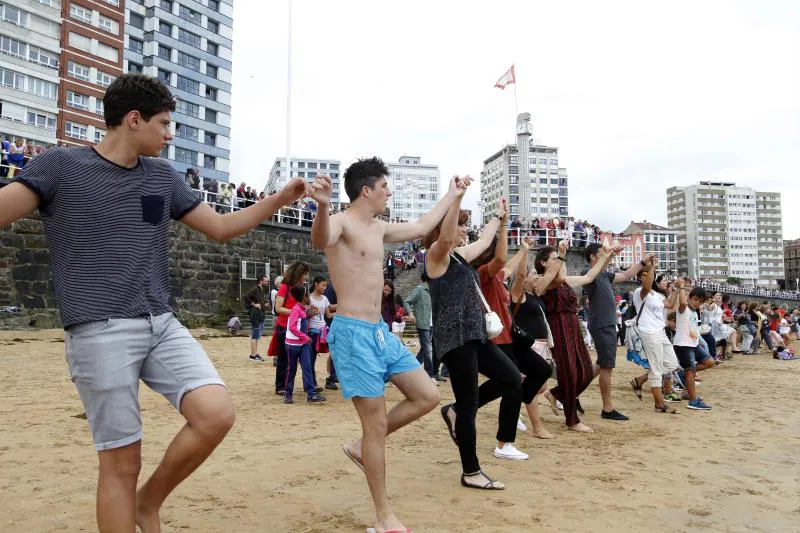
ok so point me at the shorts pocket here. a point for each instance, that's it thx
(85, 329)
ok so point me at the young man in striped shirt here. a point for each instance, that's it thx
(106, 211)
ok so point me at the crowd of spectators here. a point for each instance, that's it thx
(15, 154)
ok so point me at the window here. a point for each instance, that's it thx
(187, 108)
(211, 71)
(81, 42)
(12, 47)
(165, 28)
(46, 2)
(135, 45)
(213, 26)
(107, 52)
(108, 25)
(210, 139)
(135, 68)
(80, 13)
(189, 14)
(103, 79)
(164, 76)
(211, 92)
(164, 52)
(323, 166)
(75, 130)
(185, 156)
(209, 161)
(186, 132)
(137, 21)
(188, 61)
(166, 5)
(112, 2)
(213, 5)
(41, 121)
(312, 165)
(99, 108)
(211, 116)
(15, 16)
(301, 164)
(42, 88)
(77, 100)
(334, 166)
(191, 86)
(78, 71)
(99, 134)
(189, 38)
(212, 48)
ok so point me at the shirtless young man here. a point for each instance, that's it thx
(364, 351)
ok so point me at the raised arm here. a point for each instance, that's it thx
(647, 280)
(606, 255)
(682, 300)
(222, 228)
(438, 258)
(417, 229)
(500, 259)
(521, 272)
(633, 271)
(470, 252)
(325, 230)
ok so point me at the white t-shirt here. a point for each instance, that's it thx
(321, 303)
(686, 330)
(651, 318)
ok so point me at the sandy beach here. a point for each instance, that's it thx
(281, 469)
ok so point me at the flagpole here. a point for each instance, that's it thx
(289, 100)
(516, 107)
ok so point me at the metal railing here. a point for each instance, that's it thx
(550, 237)
(296, 216)
(716, 286)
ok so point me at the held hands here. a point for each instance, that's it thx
(562, 247)
(502, 210)
(320, 190)
(458, 185)
(528, 242)
(295, 189)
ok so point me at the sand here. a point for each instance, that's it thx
(281, 469)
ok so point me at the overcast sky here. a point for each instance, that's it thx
(638, 96)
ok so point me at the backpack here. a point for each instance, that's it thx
(234, 324)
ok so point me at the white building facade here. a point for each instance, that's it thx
(414, 186)
(726, 231)
(306, 168)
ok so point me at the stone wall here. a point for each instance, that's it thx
(204, 274)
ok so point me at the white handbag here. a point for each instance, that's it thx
(492, 322)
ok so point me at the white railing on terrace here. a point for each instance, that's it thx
(297, 216)
(716, 286)
(551, 237)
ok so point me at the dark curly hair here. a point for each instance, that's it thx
(363, 172)
(136, 92)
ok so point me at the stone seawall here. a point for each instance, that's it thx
(204, 275)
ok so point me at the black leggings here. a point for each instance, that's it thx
(464, 364)
(536, 371)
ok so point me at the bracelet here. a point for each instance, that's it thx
(561, 258)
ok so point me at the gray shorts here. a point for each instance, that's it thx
(605, 344)
(106, 359)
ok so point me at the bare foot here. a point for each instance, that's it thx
(540, 432)
(552, 401)
(389, 524)
(147, 520)
(580, 427)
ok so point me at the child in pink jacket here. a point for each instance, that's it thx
(298, 348)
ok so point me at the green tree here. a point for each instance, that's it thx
(734, 281)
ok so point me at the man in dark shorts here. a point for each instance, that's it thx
(106, 211)
(603, 323)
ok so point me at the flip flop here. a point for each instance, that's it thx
(665, 409)
(372, 530)
(490, 484)
(637, 389)
(450, 428)
(356, 460)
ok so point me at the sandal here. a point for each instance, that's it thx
(665, 409)
(450, 426)
(357, 461)
(491, 484)
(637, 389)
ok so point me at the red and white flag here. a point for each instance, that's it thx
(506, 79)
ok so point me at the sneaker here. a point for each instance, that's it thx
(521, 425)
(673, 398)
(559, 405)
(331, 385)
(508, 451)
(287, 399)
(280, 392)
(316, 398)
(256, 358)
(439, 378)
(699, 405)
(613, 415)
(319, 389)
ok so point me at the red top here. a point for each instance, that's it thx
(289, 303)
(498, 299)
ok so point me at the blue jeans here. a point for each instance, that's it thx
(314, 334)
(301, 354)
(425, 354)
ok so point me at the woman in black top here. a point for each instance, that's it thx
(459, 334)
(528, 312)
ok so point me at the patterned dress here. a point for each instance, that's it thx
(574, 369)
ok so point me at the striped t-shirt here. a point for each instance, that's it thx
(108, 231)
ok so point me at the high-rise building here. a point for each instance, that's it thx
(30, 50)
(305, 168)
(791, 258)
(187, 45)
(727, 231)
(92, 36)
(536, 187)
(414, 186)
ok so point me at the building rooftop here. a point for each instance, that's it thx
(639, 227)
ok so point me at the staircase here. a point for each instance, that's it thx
(404, 283)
